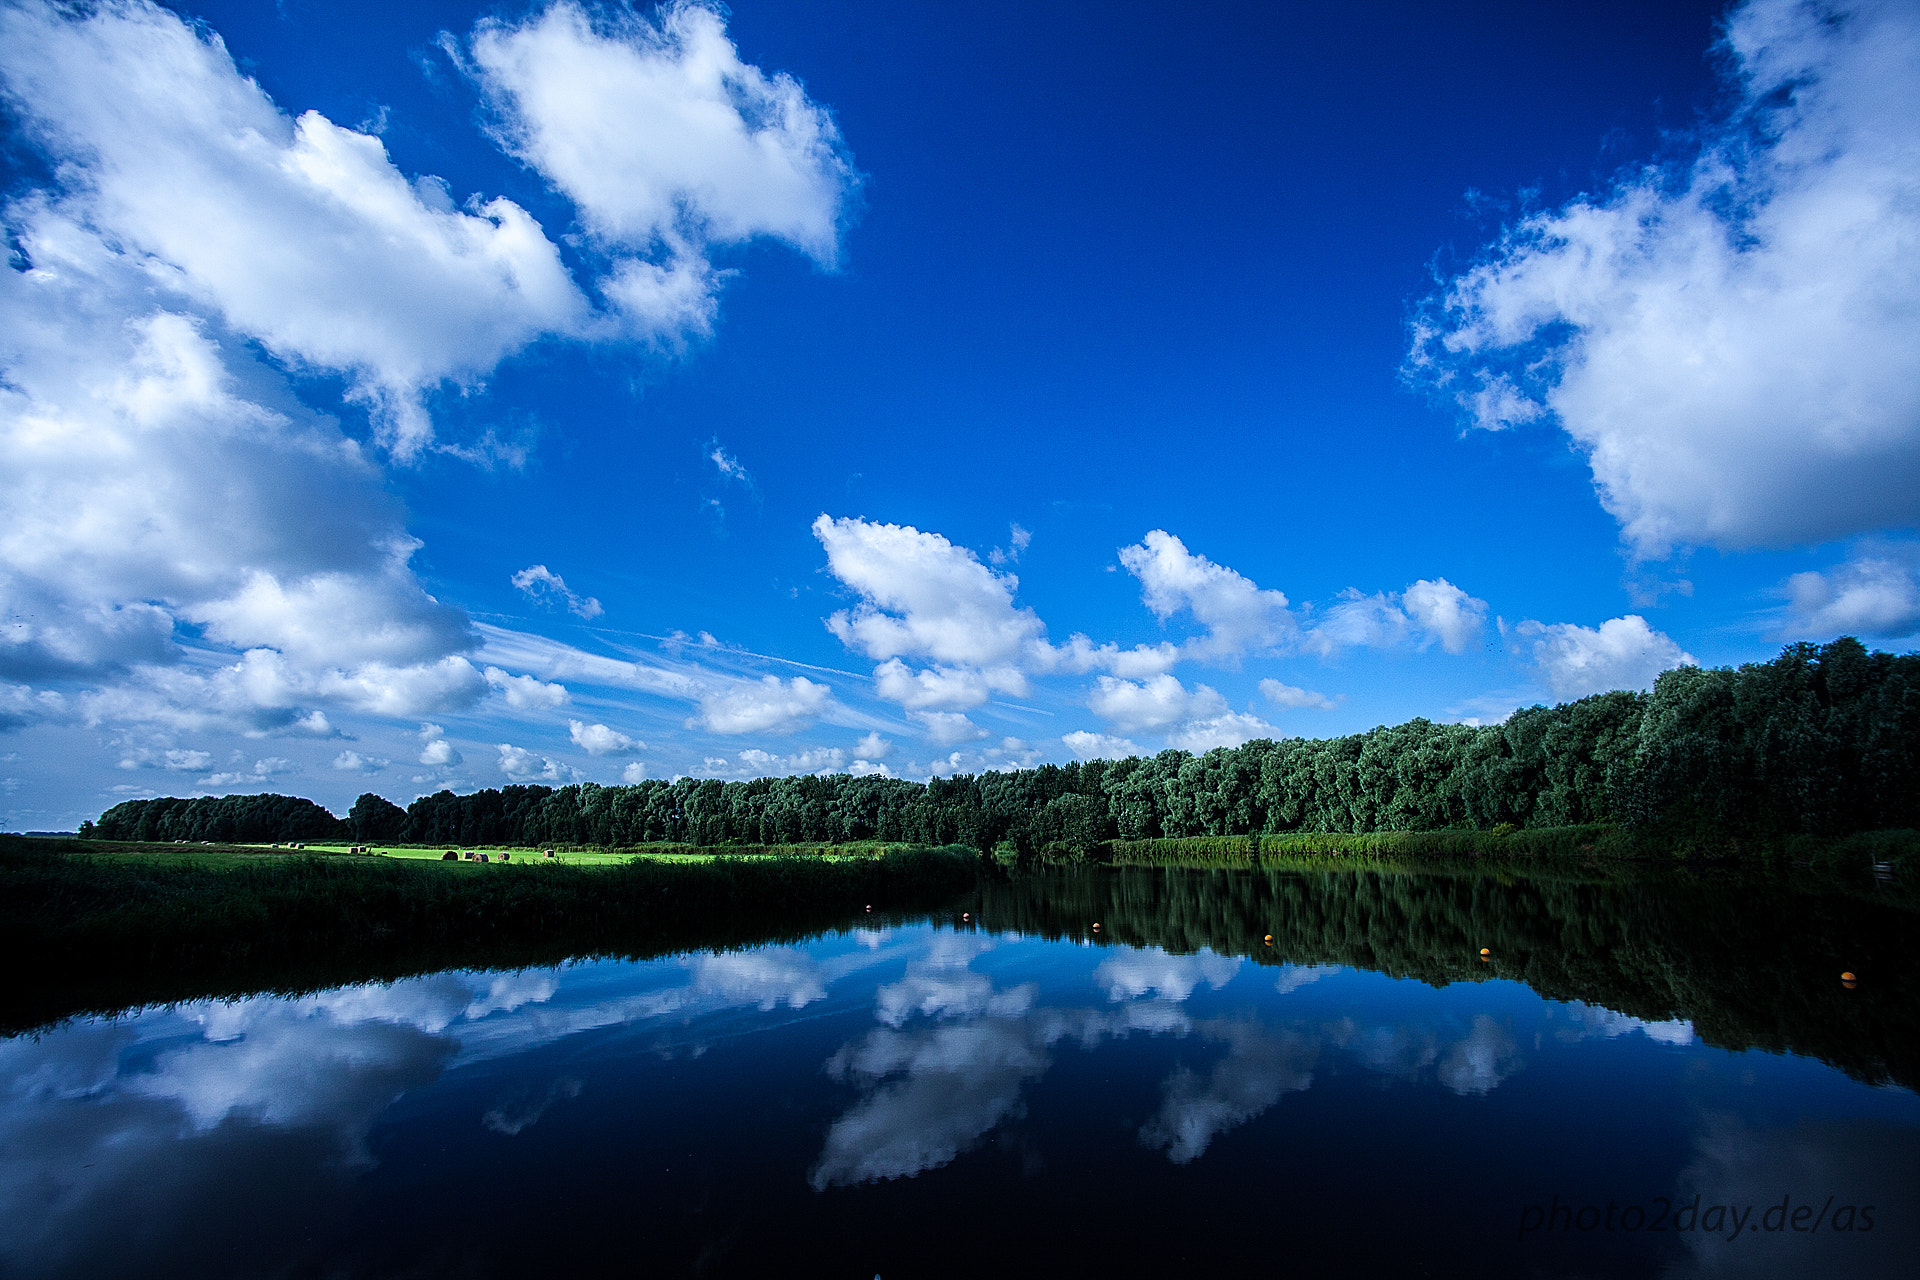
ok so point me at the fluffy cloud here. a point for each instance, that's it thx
(1288, 695)
(1194, 719)
(1242, 618)
(1011, 753)
(764, 764)
(263, 771)
(298, 232)
(667, 143)
(766, 705)
(1622, 653)
(1445, 613)
(179, 531)
(524, 693)
(1229, 729)
(354, 762)
(154, 490)
(20, 705)
(1734, 343)
(923, 597)
(1428, 611)
(1151, 704)
(178, 759)
(942, 688)
(945, 728)
(1239, 616)
(521, 765)
(542, 585)
(435, 750)
(1875, 593)
(263, 693)
(599, 740)
(1099, 746)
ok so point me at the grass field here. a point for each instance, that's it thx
(517, 854)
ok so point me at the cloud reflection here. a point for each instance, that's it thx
(1257, 1069)
(1132, 972)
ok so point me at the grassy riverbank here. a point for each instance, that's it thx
(1895, 852)
(97, 926)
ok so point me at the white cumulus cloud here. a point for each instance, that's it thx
(923, 597)
(766, 705)
(1735, 342)
(599, 740)
(521, 765)
(1876, 592)
(354, 762)
(1239, 616)
(1229, 729)
(1621, 653)
(1288, 695)
(667, 143)
(765, 764)
(945, 728)
(524, 693)
(1099, 746)
(297, 231)
(1130, 705)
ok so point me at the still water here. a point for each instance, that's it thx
(1012, 1092)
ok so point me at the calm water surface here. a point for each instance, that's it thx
(942, 1097)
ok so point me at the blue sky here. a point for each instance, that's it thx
(405, 396)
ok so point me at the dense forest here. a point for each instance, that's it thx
(1822, 740)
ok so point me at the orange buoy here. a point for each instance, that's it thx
(1269, 939)
(1847, 977)
(1485, 951)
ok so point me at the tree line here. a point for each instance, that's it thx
(1822, 740)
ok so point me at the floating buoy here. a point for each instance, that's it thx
(1485, 951)
(1269, 939)
(1847, 977)
(869, 906)
(965, 916)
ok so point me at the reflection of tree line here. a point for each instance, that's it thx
(1822, 741)
(1753, 965)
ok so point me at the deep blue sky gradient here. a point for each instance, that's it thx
(1113, 268)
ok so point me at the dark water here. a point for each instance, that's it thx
(1031, 1096)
